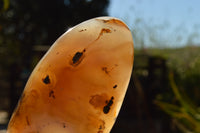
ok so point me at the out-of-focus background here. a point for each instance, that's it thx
(163, 94)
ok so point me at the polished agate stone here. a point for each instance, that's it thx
(80, 83)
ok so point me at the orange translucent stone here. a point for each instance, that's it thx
(80, 83)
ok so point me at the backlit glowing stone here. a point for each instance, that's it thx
(80, 83)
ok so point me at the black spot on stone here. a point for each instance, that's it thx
(46, 80)
(77, 58)
(51, 94)
(115, 86)
(102, 126)
(109, 103)
(82, 30)
(105, 69)
(106, 109)
(64, 125)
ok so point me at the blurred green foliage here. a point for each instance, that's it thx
(182, 101)
(185, 63)
(186, 113)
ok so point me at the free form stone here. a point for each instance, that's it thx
(80, 83)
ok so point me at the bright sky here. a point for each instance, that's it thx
(179, 20)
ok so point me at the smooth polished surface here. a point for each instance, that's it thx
(80, 84)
